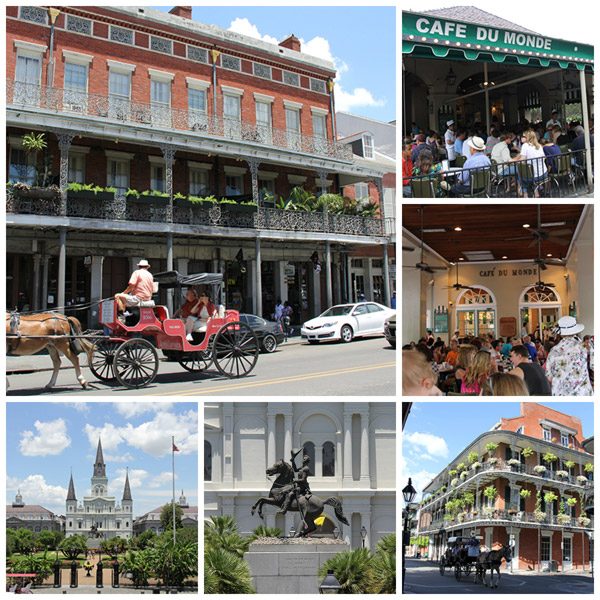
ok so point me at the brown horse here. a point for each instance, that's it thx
(28, 334)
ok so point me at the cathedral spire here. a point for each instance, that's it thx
(127, 489)
(71, 493)
(99, 466)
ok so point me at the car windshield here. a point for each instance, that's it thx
(338, 311)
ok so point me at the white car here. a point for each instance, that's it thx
(347, 321)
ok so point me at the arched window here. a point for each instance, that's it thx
(328, 459)
(540, 308)
(207, 461)
(309, 450)
(476, 312)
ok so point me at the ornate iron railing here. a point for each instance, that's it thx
(121, 208)
(119, 110)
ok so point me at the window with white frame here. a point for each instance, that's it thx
(197, 108)
(75, 86)
(119, 93)
(160, 100)
(547, 434)
(232, 114)
(157, 177)
(521, 430)
(28, 73)
(266, 187)
(361, 191)
(564, 439)
(77, 167)
(118, 174)
(368, 145)
(198, 182)
(234, 185)
(22, 167)
(292, 126)
(264, 125)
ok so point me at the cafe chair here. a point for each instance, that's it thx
(461, 159)
(564, 171)
(422, 188)
(480, 183)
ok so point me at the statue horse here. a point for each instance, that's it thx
(492, 560)
(28, 334)
(310, 507)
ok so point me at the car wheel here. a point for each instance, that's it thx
(346, 334)
(269, 343)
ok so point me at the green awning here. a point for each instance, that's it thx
(431, 36)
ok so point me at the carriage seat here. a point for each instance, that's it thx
(146, 304)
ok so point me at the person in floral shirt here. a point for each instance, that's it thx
(566, 365)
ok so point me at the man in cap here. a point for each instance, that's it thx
(553, 121)
(567, 362)
(477, 160)
(449, 139)
(139, 289)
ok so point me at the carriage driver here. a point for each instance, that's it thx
(139, 289)
(473, 547)
(299, 487)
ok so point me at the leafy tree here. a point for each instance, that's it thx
(166, 516)
(226, 573)
(264, 531)
(73, 546)
(384, 564)
(353, 569)
(222, 532)
(143, 540)
(24, 541)
(49, 540)
(113, 546)
(41, 565)
(138, 565)
(173, 563)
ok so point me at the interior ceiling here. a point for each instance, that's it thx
(487, 227)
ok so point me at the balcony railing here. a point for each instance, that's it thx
(503, 467)
(120, 110)
(225, 215)
(491, 514)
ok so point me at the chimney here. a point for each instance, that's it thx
(291, 42)
(182, 11)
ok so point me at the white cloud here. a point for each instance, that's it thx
(133, 409)
(118, 458)
(420, 479)
(427, 443)
(358, 97)
(81, 407)
(51, 439)
(161, 479)
(35, 490)
(319, 47)
(243, 26)
(137, 477)
(111, 436)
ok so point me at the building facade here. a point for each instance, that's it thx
(99, 511)
(527, 482)
(136, 99)
(151, 520)
(352, 450)
(31, 516)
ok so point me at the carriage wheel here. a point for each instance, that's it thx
(442, 566)
(457, 572)
(235, 350)
(195, 362)
(468, 569)
(103, 355)
(136, 363)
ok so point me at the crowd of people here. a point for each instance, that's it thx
(473, 148)
(555, 363)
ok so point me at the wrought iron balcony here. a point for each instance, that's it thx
(156, 117)
(120, 208)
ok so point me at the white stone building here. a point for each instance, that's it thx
(100, 510)
(351, 444)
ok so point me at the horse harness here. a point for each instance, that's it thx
(13, 342)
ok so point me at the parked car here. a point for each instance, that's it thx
(389, 329)
(269, 333)
(346, 321)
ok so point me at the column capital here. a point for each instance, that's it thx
(168, 152)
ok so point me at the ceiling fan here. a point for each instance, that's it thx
(422, 265)
(407, 249)
(539, 234)
(459, 286)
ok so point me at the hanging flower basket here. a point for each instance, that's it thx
(585, 521)
(582, 479)
(539, 469)
(563, 519)
(562, 474)
(539, 516)
(475, 466)
(454, 482)
(492, 461)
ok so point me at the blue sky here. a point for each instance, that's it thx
(435, 432)
(360, 41)
(46, 440)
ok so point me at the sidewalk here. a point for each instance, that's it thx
(23, 365)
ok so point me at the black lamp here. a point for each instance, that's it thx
(336, 532)
(409, 492)
(363, 535)
(330, 585)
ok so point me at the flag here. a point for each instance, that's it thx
(240, 255)
(175, 448)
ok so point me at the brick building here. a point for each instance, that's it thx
(527, 482)
(137, 99)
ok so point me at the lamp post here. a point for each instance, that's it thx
(363, 535)
(330, 585)
(292, 531)
(409, 494)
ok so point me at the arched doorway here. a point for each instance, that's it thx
(539, 307)
(476, 312)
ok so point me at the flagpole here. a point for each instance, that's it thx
(173, 464)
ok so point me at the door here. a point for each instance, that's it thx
(361, 316)
(567, 554)
(376, 318)
(485, 322)
(545, 551)
(27, 80)
(466, 322)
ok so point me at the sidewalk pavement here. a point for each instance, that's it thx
(23, 365)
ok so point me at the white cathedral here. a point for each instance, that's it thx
(100, 512)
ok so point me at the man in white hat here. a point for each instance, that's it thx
(140, 288)
(566, 365)
(449, 139)
(477, 160)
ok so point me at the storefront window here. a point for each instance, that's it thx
(540, 309)
(476, 312)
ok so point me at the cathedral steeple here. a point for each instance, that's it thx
(99, 466)
(71, 492)
(127, 489)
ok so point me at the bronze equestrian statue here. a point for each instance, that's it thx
(291, 491)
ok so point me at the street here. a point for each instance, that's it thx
(423, 577)
(365, 367)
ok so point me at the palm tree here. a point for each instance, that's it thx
(353, 569)
(226, 573)
(222, 532)
(264, 531)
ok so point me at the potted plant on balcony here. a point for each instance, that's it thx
(588, 467)
(525, 494)
(454, 482)
(41, 188)
(472, 457)
(562, 518)
(207, 201)
(538, 513)
(461, 467)
(562, 474)
(569, 464)
(452, 472)
(583, 520)
(89, 191)
(490, 492)
(464, 475)
(550, 497)
(582, 479)
(549, 458)
(491, 447)
(571, 501)
(476, 465)
(492, 461)
(527, 452)
(540, 470)
(514, 464)
(154, 196)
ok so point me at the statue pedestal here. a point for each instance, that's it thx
(290, 566)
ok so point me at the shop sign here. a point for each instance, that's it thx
(290, 270)
(512, 272)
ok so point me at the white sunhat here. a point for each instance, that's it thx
(450, 122)
(568, 326)
(478, 143)
(143, 263)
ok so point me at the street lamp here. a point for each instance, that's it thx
(330, 585)
(292, 531)
(409, 493)
(336, 532)
(363, 535)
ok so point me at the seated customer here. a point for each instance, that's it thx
(185, 310)
(531, 373)
(504, 384)
(197, 321)
(418, 378)
(477, 160)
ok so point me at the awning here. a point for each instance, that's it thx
(430, 36)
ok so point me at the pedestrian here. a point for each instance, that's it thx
(450, 139)
(139, 289)
(393, 301)
(278, 310)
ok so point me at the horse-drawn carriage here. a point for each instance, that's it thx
(460, 555)
(128, 353)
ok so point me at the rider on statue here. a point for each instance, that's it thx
(299, 487)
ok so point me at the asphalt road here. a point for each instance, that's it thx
(423, 577)
(365, 367)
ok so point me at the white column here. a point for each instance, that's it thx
(228, 443)
(95, 287)
(182, 265)
(287, 440)
(364, 448)
(62, 268)
(315, 301)
(45, 265)
(347, 448)
(586, 129)
(281, 287)
(37, 261)
(271, 458)
(369, 294)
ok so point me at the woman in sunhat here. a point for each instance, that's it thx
(567, 365)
